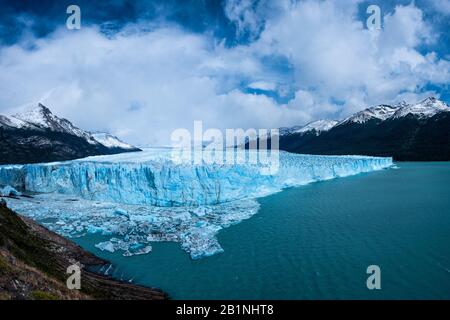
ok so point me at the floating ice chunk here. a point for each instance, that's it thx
(200, 211)
(200, 241)
(137, 249)
(121, 212)
(9, 191)
(106, 246)
(94, 229)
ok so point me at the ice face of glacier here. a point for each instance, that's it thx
(161, 182)
(135, 199)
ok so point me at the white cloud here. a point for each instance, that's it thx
(249, 16)
(441, 6)
(339, 62)
(141, 85)
(406, 28)
(263, 85)
(242, 13)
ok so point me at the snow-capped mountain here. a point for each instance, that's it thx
(110, 141)
(7, 122)
(37, 135)
(423, 109)
(41, 117)
(317, 126)
(288, 130)
(417, 131)
(381, 112)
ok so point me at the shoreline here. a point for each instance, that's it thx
(34, 261)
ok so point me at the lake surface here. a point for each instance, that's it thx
(316, 242)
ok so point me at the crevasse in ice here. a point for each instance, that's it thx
(138, 198)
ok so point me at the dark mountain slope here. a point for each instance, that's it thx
(30, 146)
(37, 135)
(405, 139)
(406, 132)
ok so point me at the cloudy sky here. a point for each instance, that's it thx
(140, 69)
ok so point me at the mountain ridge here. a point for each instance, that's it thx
(37, 135)
(407, 132)
(427, 107)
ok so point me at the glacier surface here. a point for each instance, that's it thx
(134, 199)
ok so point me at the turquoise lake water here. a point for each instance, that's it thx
(316, 242)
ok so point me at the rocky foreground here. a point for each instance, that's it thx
(34, 260)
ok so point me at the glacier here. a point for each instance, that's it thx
(137, 198)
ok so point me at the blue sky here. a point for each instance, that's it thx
(141, 69)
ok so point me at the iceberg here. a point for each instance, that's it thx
(138, 198)
(9, 191)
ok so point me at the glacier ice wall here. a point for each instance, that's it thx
(135, 199)
(165, 183)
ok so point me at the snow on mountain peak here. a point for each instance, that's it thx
(423, 109)
(402, 103)
(41, 117)
(11, 122)
(110, 141)
(288, 130)
(318, 126)
(381, 112)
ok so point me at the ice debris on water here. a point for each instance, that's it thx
(133, 234)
